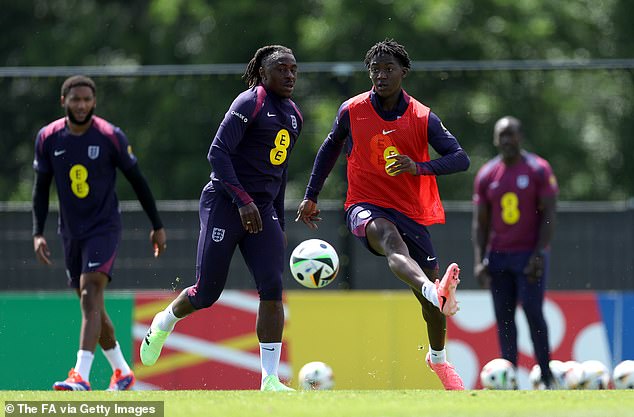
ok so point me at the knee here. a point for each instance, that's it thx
(271, 292)
(198, 302)
(196, 298)
(90, 296)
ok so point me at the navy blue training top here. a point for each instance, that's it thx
(249, 154)
(84, 168)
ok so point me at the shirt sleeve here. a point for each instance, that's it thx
(41, 161)
(144, 194)
(41, 190)
(453, 158)
(548, 184)
(125, 159)
(328, 153)
(229, 135)
(479, 188)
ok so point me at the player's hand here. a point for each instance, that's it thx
(535, 268)
(400, 164)
(308, 213)
(481, 272)
(158, 238)
(250, 216)
(42, 253)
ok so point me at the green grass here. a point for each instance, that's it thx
(428, 403)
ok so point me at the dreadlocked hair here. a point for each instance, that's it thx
(388, 47)
(252, 73)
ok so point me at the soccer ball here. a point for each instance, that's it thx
(316, 376)
(314, 263)
(623, 375)
(595, 375)
(498, 374)
(573, 375)
(557, 369)
(535, 377)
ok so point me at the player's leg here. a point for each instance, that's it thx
(531, 296)
(73, 262)
(379, 230)
(122, 378)
(504, 293)
(215, 250)
(99, 253)
(91, 289)
(264, 255)
(405, 257)
(436, 357)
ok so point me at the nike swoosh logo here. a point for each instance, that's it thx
(387, 132)
(429, 258)
(269, 349)
(443, 301)
(274, 217)
(58, 153)
(270, 114)
(93, 264)
(147, 337)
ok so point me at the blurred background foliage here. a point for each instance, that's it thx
(579, 119)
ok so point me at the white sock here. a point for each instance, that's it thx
(270, 358)
(84, 363)
(437, 356)
(116, 359)
(430, 293)
(165, 320)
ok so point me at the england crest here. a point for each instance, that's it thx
(217, 234)
(522, 181)
(93, 152)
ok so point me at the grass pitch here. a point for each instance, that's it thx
(393, 403)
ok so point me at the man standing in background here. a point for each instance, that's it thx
(515, 196)
(82, 153)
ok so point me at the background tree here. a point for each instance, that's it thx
(578, 119)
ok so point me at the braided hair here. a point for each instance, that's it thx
(388, 47)
(252, 73)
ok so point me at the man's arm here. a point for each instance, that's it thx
(230, 133)
(547, 207)
(452, 157)
(328, 153)
(480, 227)
(278, 203)
(325, 160)
(144, 194)
(41, 191)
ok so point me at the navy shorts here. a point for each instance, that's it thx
(221, 231)
(415, 235)
(91, 254)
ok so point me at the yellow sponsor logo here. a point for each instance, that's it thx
(389, 151)
(279, 152)
(78, 175)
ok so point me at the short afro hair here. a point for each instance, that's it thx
(78, 81)
(388, 47)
